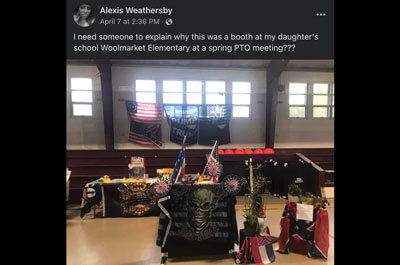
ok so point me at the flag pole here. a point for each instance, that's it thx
(251, 174)
(215, 144)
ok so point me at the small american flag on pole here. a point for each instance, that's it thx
(145, 119)
(179, 168)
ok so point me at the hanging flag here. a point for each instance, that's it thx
(184, 122)
(214, 124)
(145, 127)
(219, 113)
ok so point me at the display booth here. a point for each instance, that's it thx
(197, 220)
(126, 197)
(120, 198)
(280, 173)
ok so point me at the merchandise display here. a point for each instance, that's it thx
(120, 198)
(164, 173)
(133, 196)
(136, 167)
(305, 237)
(197, 213)
(198, 218)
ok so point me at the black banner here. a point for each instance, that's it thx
(214, 124)
(184, 121)
(180, 129)
(211, 131)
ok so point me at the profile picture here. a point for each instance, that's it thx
(84, 15)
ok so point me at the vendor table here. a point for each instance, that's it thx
(306, 237)
(197, 220)
(120, 199)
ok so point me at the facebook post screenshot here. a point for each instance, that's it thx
(200, 132)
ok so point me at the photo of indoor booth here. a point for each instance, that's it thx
(141, 216)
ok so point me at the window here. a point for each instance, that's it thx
(215, 92)
(241, 92)
(193, 92)
(146, 91)
(323, 100)
(297, 100)
(173, 92)
(81, 96)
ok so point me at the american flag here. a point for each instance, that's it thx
(145, 127)
(179, 168)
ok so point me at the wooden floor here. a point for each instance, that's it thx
(131, 241)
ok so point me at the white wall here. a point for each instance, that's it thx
(85, 132)
(88, 132)
(245, 132)
(302, 133)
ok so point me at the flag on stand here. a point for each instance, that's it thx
(179, 168)
(145, 127)
(213, 166)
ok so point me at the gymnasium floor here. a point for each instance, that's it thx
(131, 241)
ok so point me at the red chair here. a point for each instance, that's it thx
(239, 151)
(221, 152)
(258, 151)
(228, 152)
(269, 151)
(248, 151)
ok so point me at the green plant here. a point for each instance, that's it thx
(294, 190)
(260, 183)
(321, 202)
(308, 195)
(250, 216)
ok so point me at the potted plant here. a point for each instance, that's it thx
(320, 202)
(254, 214)
(294, 193)
(308, 198)
(251, 223)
